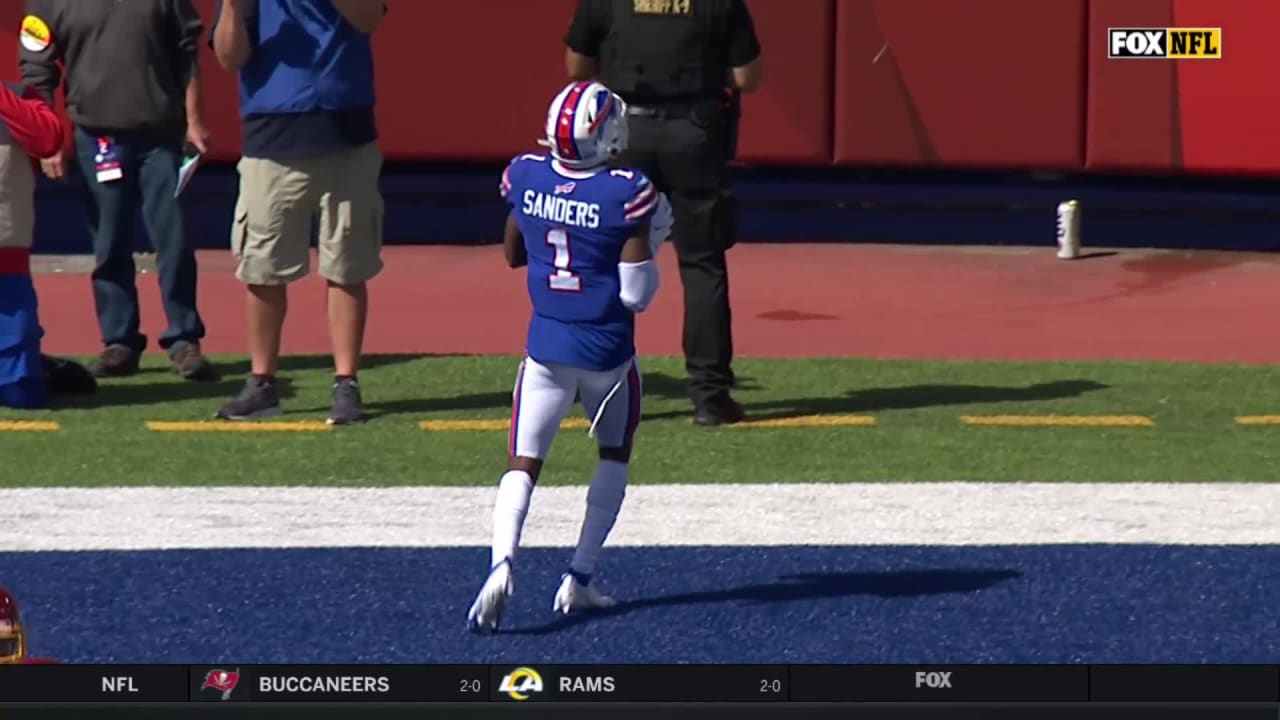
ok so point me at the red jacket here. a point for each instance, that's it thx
(34, 125)
(38, 132)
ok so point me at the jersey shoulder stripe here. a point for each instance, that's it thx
(504, 187)
(642, 203)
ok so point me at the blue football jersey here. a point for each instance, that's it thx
(574, 226)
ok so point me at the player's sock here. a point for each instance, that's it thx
(604, 499)
(514, 491)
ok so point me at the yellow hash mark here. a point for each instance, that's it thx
(472, 425)
(1059, 420)
(812, 421)
(240, 427)
(1258, 420)
(29, 426)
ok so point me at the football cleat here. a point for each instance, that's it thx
(573, 597)
(486, 611)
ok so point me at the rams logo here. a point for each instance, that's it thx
(521, 683)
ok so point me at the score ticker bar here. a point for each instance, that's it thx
(106, 684)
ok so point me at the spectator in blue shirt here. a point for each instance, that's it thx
(310, 146)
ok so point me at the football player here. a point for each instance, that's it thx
(588, 235)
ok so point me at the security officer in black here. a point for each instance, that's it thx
(679, 64)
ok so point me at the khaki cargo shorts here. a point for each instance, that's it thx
(271, 234)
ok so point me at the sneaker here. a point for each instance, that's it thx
(486, 612)
(257, 400)
(573, 597)
(190, 363)
(115, 361)
(348, 407)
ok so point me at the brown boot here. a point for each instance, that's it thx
(115, 361)
(190, 363)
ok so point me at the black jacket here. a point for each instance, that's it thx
(127, 62)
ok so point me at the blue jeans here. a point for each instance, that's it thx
(150, 170)
(22, 382)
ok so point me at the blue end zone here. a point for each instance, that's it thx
(1043, 604)
(460, 205)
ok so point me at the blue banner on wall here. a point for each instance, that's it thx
(460, 205)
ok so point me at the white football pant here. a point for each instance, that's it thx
(544, 394)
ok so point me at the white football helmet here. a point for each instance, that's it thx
(586, 125)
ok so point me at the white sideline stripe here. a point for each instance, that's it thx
(654, 515)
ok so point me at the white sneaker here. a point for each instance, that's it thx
(573, 596)
(486, 611)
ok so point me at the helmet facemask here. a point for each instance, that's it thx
(13, 645)
(615, 134)
(13, 642)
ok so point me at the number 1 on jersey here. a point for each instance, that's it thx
(562, 279)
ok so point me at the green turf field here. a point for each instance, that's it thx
(918, 433)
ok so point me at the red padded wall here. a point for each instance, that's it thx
(10, 19)
(221, 98)
(1229, 106)
(996, 83)
(1195, 115)
(446, 94)
(468, 80)
(1132, 110)
(789, 119)
(453, 84)
(975, 83)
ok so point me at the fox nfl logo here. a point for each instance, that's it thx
(1164, 43)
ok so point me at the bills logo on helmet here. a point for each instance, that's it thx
(585, 125)
(224, 681)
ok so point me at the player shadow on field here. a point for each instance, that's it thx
(806, 586)
(669, 387)
(112, 394)
(408, 406)
(427, 405)
(309, 363)
(231, 377)
(656, 385)
(915, 397)
(661, 386)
